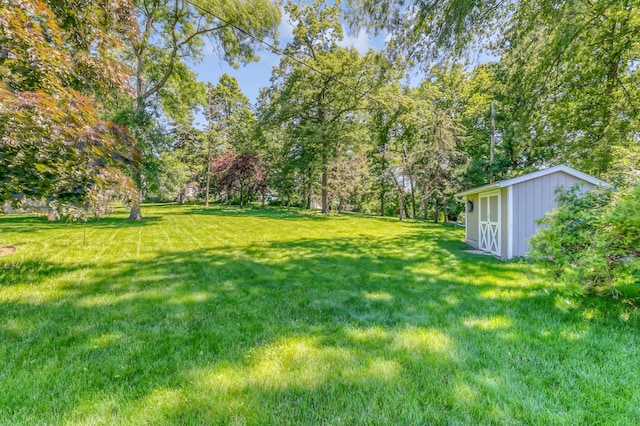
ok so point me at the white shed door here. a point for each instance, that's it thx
(489, 213)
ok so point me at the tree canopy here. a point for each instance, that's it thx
(567, 70)
(174, 34)
(317, 93)
(53, 60)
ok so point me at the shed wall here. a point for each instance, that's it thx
(472, 221)
(531, 200)
(504, 222)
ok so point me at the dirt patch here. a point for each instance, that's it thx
(7, 250)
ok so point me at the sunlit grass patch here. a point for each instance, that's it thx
(295, 363)
(379, 295)
(421, 340)
(261, 316)
(489, 323)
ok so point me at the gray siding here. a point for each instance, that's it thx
(472, 222)
(531, 200)
(504, 222)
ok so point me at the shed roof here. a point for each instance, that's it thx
(509, 182)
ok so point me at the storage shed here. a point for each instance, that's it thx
(501, 216)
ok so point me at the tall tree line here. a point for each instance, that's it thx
(112, 97)
(566, 78)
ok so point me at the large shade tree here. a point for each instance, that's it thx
(54, 59)
(416, 149)
(174, 34)
(317, 90)
(230, 123)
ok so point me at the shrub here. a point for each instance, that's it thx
(592, 241)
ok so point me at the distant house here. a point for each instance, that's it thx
(501, 216)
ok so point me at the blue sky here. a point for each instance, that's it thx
(254, 76)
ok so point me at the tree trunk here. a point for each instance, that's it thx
(436, 212)
(413, 198)
(405, 207)
(444, 209)
(136, 210)
(307, 200)
(425, 208)
(325, 176)
(208, 186)
(325, 154)
(382, 183)
(136, 204)
(206, 197)
(325, 193)
(402, 203)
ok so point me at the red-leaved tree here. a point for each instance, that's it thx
(53, 144)
(239, 173)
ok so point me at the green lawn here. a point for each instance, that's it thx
(223, 316)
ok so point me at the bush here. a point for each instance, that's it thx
(591, 241)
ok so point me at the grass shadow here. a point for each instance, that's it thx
(354, 330)
(257, 212)
(26, 223)
(122, 222)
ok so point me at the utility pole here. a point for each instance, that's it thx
(493, 139)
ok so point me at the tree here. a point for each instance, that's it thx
(280, 164)
(577, 88)
(173, 179)
(179, 172)
(230, 122)
(568, 69)
(416, 149)
(318, 104)
(239, 173)
(176, 31)
(349, 181)
(229, 113)
(383, 127)
(53, 144)
(430, 29)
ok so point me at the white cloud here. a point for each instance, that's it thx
(362, 42)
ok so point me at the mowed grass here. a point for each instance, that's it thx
(224, 316)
